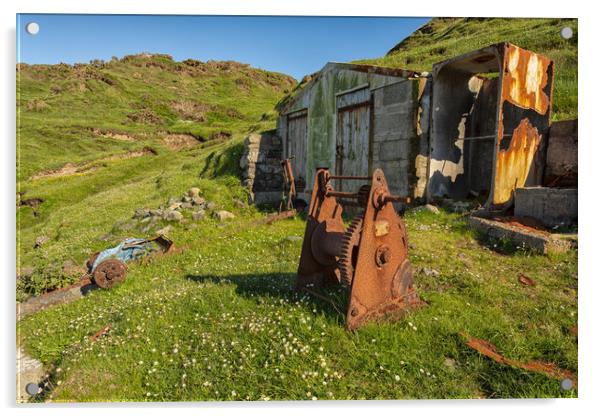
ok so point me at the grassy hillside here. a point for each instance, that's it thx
(85, 112)
(444, 38)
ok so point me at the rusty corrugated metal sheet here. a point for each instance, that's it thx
(525, 79)
(513, 165)
(527, 84)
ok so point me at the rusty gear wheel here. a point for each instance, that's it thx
(350, 243)
(110, 272)
(363, 194)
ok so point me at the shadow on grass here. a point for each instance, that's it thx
(332, 302)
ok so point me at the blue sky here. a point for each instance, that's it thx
(294, 45)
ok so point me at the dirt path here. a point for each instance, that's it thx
(87, 167)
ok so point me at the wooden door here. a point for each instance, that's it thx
(297, 144)
(353, 144)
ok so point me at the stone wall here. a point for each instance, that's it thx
(261, 169)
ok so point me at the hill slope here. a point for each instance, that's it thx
(444, 38)
(84, 112)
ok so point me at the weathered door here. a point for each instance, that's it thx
(296, 139)
(353, 137)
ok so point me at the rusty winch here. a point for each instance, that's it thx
(370, 255)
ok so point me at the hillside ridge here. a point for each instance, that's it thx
(444, 38)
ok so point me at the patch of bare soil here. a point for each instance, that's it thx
(191, 110)
(180, 141)
(114, 135)
(87, 167)
(144, 116)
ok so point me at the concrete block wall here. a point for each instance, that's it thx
(394, 131)
(553, 207)
(561, 159)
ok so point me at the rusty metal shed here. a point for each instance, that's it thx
(475, 127)
(490, 113)
(356, 118)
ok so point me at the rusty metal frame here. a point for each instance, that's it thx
(523, 106)
(370, 256)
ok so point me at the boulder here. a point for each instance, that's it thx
(194, 192)
(173, 216)
(198, 200)
(198, 215)
(156, 212)
(223, 215)
(186, 205)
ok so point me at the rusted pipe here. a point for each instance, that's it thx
(338, 194)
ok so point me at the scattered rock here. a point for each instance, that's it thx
(173, 216)
(239, 204)
(186, 198)
(198, 200)
(430, 272)
(142, 213)
(194, 192)
(198, 215)
(41, 240)
(145, 220)
(428, 208)
(156, 212)
(186, 205)
(210, 206)
(450, 363)
(223, 215)
(164, 230)
(460, 206)
(174, 206)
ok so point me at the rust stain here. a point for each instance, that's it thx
(513, 164)
(548, 369)
(525, 78)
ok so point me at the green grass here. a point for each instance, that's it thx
(221, 317)
(444, 38)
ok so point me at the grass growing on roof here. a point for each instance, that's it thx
(444, 38)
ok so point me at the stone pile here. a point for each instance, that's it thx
(175, 210)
